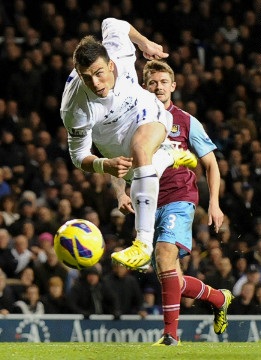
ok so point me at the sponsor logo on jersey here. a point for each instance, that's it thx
(77, 132)
(175, 131)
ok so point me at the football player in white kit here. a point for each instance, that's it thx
(103, 103)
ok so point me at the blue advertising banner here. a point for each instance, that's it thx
(74, 328)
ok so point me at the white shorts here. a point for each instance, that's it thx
(117, 142)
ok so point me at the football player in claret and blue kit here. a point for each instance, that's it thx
(178, 197)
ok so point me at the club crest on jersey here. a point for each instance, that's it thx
(175, 131)
(77, 132)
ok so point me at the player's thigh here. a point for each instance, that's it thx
(146, 141)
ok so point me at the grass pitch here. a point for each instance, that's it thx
(130, 351)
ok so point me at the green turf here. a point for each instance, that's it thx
(130, 351)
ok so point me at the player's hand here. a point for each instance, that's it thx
(124, 204)
(118, 167)
(215, 217)
(151, 51)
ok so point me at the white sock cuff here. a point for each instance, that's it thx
(145, 170)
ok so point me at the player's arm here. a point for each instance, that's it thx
(150, 49)
(114, 28)
(203, 146)
(124, 201)
(215, 215)
(118, 167)
(80, 145)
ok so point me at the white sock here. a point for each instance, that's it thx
(144, 196)
(161, 160)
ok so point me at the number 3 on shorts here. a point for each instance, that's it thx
(172, 219)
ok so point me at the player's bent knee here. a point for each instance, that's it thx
(166, 256)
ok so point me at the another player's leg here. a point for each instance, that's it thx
(168, 274)
(219, 299)
(168, 225)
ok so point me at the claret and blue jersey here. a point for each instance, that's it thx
(187, 132)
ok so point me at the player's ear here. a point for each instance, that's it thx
(143, 85)
(173, 86)
(111, 65)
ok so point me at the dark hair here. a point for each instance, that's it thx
(88, 51)
(5, 198)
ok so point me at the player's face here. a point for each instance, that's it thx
(160, 83)
(99, 77)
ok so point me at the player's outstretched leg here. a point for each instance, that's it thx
(220, 299)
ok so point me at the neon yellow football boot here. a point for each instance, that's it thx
(134, 257)
(184, 158)
(220, 319)
(180, 157)
(167, 340)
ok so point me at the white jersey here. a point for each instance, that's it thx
(109, 122)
